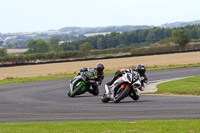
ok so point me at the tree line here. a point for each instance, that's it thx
(135, 38)
(22, 41)
(30, 58)
(44, 50)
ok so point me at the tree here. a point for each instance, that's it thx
(54, 44)
(3, 52)
(101, 42)
(154, 35)
(141, 35)
(68, 47)
(198, 32)
(85, 48)
(165, 41)
(38, 46)
(10, 45)
(181, 37)
(1, 43)
(124, 39)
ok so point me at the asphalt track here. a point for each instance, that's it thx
(47, 101)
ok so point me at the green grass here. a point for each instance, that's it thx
(10, 80)
(19, 80)
(108, 55)
(172, 67)
(189, 86)
(161, 126)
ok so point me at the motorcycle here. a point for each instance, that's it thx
(82, 82)
(124, 86)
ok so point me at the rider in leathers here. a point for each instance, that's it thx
(141, 69)
(100, 76)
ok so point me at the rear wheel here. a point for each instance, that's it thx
(80, 86)
(135, 96)
(121, 94)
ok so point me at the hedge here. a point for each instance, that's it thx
(163, 49)
(12, 59)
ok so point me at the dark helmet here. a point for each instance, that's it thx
(141, 69)
(100, 67)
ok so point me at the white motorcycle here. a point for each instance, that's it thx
(124, 86)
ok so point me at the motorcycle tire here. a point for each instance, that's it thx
(105, 99)
(123, 93)
(135, 97)
(69, 93)
(77, 90)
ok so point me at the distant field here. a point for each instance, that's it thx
(94, 34)
(110, 64)
(16, 51)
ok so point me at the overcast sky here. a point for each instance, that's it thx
(42, 15)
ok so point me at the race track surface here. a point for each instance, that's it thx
(47, 101)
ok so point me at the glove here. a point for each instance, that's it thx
(83, 69)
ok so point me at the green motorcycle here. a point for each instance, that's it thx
(82, 82)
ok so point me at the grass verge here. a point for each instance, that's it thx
(186, 86)
(50, 77)
(19, 80)
(10, 80)
(156, 126)
(172, 67)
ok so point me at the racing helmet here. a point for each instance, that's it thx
(141, 69)
(100, 67)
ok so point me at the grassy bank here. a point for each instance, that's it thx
(50, 77)
(41, 78)
(20, 80)
(186, 86)
(161, 126)
(172, 67)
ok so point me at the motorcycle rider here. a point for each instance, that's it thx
(141, 69)
(100, 76)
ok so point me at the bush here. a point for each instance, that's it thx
(163, 49)
(12, 59)
(110, 51)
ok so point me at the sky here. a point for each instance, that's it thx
(42, 15)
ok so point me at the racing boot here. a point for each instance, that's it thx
(108, 91)
(94, 90)
(141, 88)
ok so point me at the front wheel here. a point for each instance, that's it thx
(105, 98)
(121, 94)
(80, 86)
